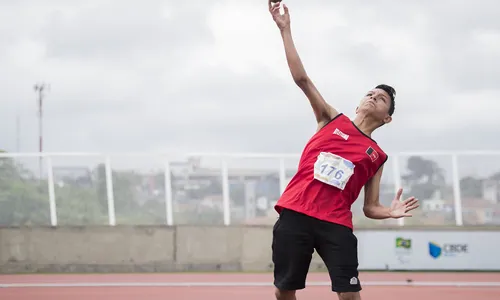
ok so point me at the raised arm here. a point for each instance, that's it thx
(374, 210)
(322, 110)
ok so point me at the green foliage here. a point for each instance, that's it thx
(79, 206)
(24, 199)
(140, 200)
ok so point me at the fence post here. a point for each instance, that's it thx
(52, 195)
(397, 182)
(168, 195)
(456, 191)
(282, 176)
(110, 194)
(225, 193)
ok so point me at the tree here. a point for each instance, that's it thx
(471, 187)
(425, 177)
(22, 200)
(79, 205)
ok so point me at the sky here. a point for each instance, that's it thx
(211, 75)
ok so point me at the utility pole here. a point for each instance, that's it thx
(39, 89)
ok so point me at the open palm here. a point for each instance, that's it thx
(400, 209)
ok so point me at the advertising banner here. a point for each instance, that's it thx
(428, 250)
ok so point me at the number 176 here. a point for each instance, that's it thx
(331, 169)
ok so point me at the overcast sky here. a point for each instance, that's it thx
(211, 76)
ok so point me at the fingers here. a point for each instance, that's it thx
(272, 6)
(410, 200)
(412, 207)
(399, 193)
(411, 204)
(276, 9)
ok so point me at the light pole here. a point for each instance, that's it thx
(39, 89)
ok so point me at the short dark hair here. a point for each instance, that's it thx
(392, 93)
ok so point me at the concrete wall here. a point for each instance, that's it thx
(138, 249)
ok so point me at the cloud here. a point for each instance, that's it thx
(212, 75)
(127, 33)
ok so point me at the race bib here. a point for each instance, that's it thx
(333, 170)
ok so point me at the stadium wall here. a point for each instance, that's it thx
(234, 248)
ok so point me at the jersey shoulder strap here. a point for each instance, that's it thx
(338, 117)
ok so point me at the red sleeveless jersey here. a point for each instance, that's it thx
(335, 165)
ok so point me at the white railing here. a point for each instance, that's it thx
(482, 203)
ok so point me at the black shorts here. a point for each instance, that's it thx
(296, 236)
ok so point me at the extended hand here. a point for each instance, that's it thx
(400, 209)
(282, 20)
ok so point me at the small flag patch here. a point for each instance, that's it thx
(372, 153)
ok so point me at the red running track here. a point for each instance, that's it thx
(242, 293)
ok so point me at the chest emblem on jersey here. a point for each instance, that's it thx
(341, 134)
(372, 153)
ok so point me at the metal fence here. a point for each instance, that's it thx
(460, 188)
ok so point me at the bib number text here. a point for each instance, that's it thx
(333, 170)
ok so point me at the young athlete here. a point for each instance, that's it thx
(339, 160)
